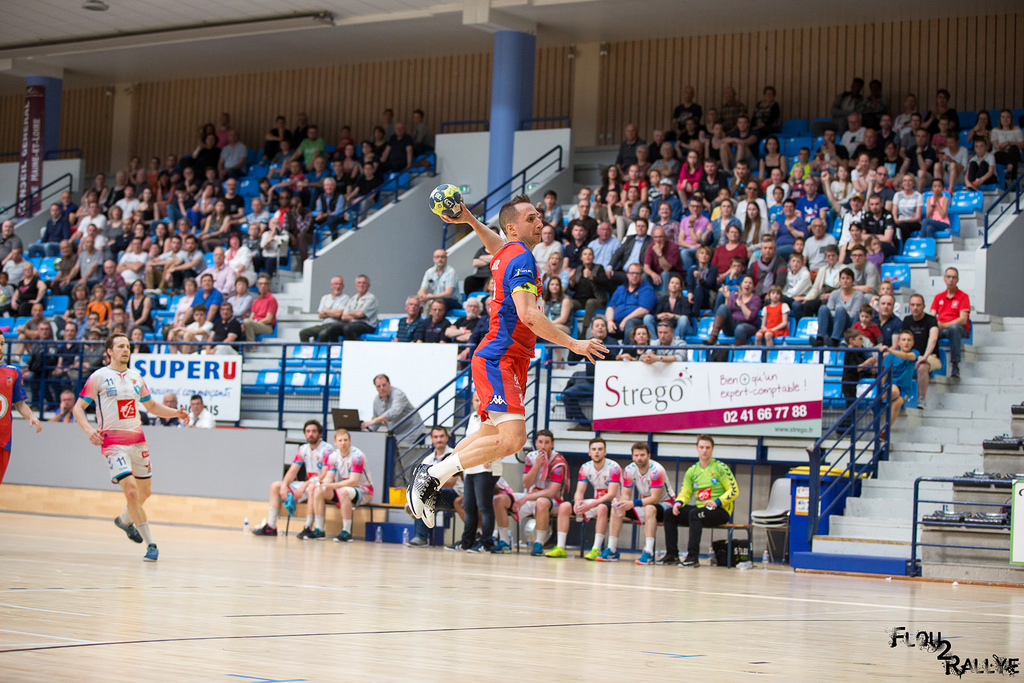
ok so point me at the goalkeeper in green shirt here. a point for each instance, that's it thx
(705, 499)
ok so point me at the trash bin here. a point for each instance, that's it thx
(800, 478)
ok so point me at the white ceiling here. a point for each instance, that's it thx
(36, 34)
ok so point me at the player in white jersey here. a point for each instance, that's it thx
(605, 476)
(290, 491)
(115, 390)
(346, 483)
(651, 500)
(545, 475)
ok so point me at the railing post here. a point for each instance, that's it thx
(913, 529)
(390, 449)
(814, 493)
(280, 387)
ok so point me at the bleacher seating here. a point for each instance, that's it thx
(897, 273)
(917, 250)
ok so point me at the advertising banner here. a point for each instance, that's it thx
(30, 166)
(218, 379)
(750, 399)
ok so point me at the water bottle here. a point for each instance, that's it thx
(405, 536)
(245, 524)
(764, 559)
(378, 537)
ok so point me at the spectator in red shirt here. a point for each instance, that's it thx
(952, 309)
(263, 316)
(867, 326)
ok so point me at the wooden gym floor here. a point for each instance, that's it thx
(77, 603)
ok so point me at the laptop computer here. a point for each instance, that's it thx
(345, 418)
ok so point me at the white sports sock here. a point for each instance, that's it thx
(309, 521)
(144, 530)
(649, 545)
(319, 521)
(505, 535)
(272, 518)
(561, 539)
(125, 518)
(346, 524)
(613, 543)
(446, 469)
(598, 540)
(542, 536)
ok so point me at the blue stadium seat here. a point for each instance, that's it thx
(47, 268)
(746, 356)
(833, 362)
(209, 259)
(785, 356)
(805, 329)
(793, 128)
(833, 394)
(837, 228)
(299, 355)
(917, 250)
(272, 333)
(315, 384)
(967, 201)
(57, 304)
(267, 382)
(794, 144)
(896, 273)
(387, 329)
(698, 355)
(249, 188)
(967, 120)
(964, 132)
(294, 380)
(703, 330)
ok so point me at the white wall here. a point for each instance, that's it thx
(462, 157)
(1002, 273)
(393, 248)
(51, 170)
(212, 463)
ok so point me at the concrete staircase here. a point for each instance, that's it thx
(944, 437)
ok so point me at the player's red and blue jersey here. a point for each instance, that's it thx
(513, 269)
(11, 391)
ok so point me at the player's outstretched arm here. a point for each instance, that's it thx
(26, 412)
(492, 241)
(534, 318)
(160, 410)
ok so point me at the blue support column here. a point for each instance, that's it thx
(511, 101)
(51, 115)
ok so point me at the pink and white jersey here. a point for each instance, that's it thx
(313, 458)
(553, 470)
(351, 464)
(653, 478)
(600, 478)
(116, 396)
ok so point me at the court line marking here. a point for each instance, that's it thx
(43, 635)
(39, 609)
(780, 618)
(760, 596)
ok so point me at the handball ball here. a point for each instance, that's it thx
(446, 200)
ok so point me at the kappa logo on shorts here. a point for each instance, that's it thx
(498, 401)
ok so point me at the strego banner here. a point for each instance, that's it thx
(30, 166)
(218, 379)
(753, 399)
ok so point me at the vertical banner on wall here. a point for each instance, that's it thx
(30, 167)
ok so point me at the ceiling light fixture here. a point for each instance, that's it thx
(95, 5)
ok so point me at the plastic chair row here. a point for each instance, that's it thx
(297, 383)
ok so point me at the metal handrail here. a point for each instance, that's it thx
(1016, 188)
(400, 181)
(485, 122)
(913, 564)
(70, 180)
(876, 438)
(507, 189)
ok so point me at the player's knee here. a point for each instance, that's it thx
(602, 511)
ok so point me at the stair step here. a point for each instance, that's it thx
(860, 546)
(877, 528)
(866, 564)
(909, 471)
(897, 507)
